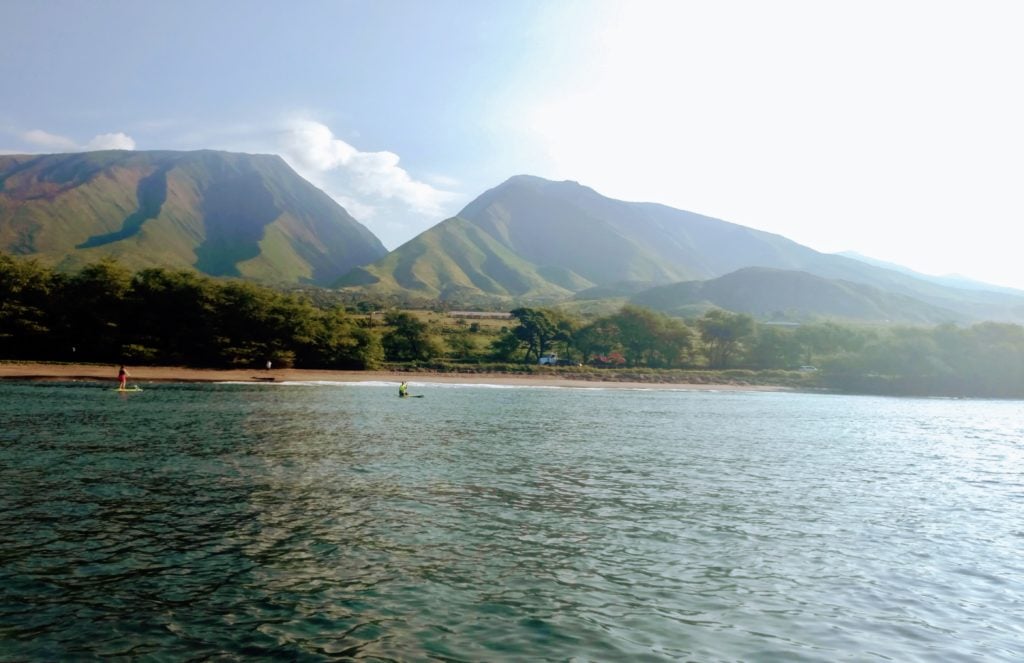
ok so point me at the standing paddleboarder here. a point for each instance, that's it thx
(122, 378)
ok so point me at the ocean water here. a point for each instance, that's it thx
(336, 521)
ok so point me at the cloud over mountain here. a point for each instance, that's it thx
(51, 142)
(114, 141)
(315, 151)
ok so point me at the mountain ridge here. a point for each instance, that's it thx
(526, 240)
(221, 213)
(598, 244)
(952, 280)
(793, 296)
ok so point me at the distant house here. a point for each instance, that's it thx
(480, 315)
(612, 359)
(551, 359)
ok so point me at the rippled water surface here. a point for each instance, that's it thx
(324, 521)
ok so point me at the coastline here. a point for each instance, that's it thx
(103, 372)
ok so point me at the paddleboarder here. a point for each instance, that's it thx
(122, 378)
(403, 390)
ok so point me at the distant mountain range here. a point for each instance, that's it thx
(223, 214)
(534, 239)
(528, 240)
(952, 280)
(787, 295)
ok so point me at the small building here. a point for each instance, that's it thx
(480, 315)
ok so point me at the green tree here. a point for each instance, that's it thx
(338, 342)
(991, 360)
(600, 337)
(26, 293)
(638, 335)
(253, 324)
(364, 349)
(723, 334)
(461, 345)
(408, 339)
(536, 331)
(819, 341)
(93, 306)
(241, 331)
(775, 348)
(564, 339)
(674, 343)
(645, 338)
(172, 313)
(507, 347)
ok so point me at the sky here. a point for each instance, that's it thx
(892, 128)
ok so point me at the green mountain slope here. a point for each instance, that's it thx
(551, 239)
(224, 214)
(559, 238)
(531, 238)
(794, 296)
(608, 240)
(458, 260)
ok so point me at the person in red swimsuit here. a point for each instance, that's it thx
(122, 378)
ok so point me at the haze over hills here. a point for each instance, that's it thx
(224, 214)
(787, 295)
(531, 237)
(952, 280)
(534, 239)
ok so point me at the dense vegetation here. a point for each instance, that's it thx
(104, 313)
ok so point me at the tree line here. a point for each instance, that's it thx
(104, 313)
(985, 359)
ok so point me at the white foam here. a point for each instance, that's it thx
(335, 383)
(460, 385)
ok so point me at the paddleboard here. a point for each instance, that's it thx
(412, 396)
(124, 391)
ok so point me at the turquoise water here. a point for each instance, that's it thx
(318, 521)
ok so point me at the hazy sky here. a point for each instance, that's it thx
(895, 128)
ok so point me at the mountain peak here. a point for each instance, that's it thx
(533, 239)
(222, 213)
(540, 182)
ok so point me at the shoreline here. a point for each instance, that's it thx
(37, 371)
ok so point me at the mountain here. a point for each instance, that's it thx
(778, 294)
(221, 213)
(951, 280)
(532, 239)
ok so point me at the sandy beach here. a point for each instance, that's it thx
(144, 374)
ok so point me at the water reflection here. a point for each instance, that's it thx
(481, 524)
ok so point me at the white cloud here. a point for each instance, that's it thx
(48, 141)
(442, 181)
(115, 141)
(348, 173)
(313, 146)
(54, 142)
(372, 186)
(879, 127)
(360, 211)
